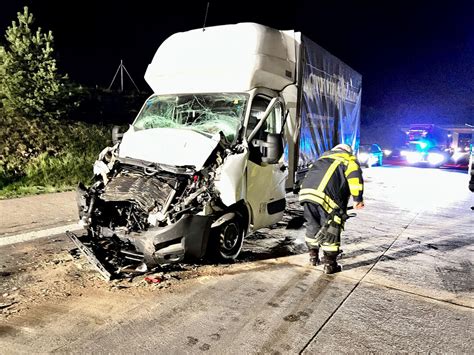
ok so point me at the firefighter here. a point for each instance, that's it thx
(324, 194)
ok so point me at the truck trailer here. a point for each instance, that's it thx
(238, 114)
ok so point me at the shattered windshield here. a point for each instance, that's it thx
(206, 113)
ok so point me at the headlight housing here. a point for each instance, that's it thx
(363, 157)
(414, 157)
(435, 158)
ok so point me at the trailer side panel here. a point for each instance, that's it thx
(330, 103)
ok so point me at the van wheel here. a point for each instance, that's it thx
(226, 241)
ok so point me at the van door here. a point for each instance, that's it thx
(265, 180)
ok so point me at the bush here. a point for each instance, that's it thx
(48, 153)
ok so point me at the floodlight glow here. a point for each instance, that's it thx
(387, 152)
(414, 157)
(372, 159)
(456, 156)
(363, 157)
(435, 158)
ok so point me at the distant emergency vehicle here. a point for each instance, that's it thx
(437, 145)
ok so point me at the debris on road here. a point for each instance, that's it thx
(56, 268)
(153, 279)
(281, 239)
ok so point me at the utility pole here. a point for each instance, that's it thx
(121, 68)
(205, 17)
(121, 75)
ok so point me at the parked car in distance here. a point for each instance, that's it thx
(370, 155)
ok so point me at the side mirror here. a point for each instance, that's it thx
(116, 135)
(263, 119)
(272, 149)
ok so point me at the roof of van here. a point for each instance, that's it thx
(228, 58)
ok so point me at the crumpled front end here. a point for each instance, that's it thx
(139, 215)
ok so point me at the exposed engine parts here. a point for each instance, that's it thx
(137, 214)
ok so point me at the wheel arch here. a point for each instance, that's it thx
(244, 211)
(237, 214)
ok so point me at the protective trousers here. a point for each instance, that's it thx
(323, 231)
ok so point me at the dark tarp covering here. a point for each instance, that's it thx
(330, 103)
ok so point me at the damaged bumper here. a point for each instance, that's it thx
(90, 255)
(187, 238)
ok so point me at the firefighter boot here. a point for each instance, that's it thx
(314, 256)
(330, 264)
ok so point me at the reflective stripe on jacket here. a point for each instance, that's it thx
(331, 180)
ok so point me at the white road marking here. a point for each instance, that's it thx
(24, 237)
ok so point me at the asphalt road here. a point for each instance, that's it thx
(407, 286)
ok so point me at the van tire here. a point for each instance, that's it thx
(226, 240)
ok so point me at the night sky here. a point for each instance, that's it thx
(416, 57)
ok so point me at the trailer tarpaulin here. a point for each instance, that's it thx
(330, 103)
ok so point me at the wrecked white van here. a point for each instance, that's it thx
(237, 115)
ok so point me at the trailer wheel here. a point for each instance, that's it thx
(226, 240)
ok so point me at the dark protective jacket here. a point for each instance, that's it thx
(331, 180)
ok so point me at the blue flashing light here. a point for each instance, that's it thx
(422, 145)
